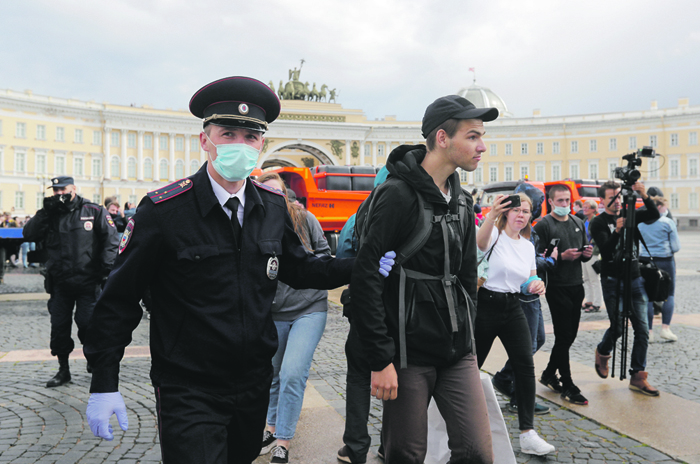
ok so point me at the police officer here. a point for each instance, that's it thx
(81, 241)
(211, 249)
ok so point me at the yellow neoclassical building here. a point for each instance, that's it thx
(126, 151)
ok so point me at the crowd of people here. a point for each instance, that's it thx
(236, 271)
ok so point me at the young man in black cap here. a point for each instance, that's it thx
(436, 356)
(81, 242)
(210, 248)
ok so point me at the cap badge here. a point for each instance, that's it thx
(243, 108)
(55, 181)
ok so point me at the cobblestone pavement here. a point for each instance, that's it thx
(41, 425)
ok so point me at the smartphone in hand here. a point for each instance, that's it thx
(550, 248)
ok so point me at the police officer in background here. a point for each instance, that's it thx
(211, 248)
(81, 242)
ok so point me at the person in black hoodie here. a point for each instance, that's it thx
(439, 338)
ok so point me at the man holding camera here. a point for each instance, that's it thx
(81, 242)
(606, 230)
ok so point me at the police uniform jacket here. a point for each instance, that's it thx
(81, 242)
(211, 324)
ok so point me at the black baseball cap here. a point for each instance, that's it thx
(61, 181)
(236, 101)
(453, 107)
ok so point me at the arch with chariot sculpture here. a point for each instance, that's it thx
(322, 154)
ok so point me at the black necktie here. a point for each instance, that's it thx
(232, 204)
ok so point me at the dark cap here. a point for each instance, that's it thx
(453, 107)
(655, 192)
(236, 101)
(291, 195)
(61, 181)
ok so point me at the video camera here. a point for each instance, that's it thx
(629, 174)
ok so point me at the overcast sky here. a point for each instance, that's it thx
(386, 57)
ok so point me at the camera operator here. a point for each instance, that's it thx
(82, 244)
(606, 230)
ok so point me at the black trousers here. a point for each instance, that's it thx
(565, 306)
(499, 315)
(61, 303)
(211, 427)
(357, 399)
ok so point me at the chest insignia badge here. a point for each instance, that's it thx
(88, 225)
(273, 265)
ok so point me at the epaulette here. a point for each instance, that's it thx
(170, 191)
(267, 187)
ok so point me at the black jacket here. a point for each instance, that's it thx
(211, 323)
(81, 242)
(429, 337)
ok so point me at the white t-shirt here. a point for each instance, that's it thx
(510, 264)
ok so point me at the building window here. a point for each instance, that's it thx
(78, 167)
(115, 138)
(573, 171)
(96, 167)
(493, 149)
(163, 142)
(524, 172)
(652, 141)
(555, 148)
(613, 144)
(19, 200)
(60, 134)
(611, 169)
(78, 136)
(674, 172)
(674, 140)
(674, 201)
(653, 170)
(509, 173)
(179, 144)
(39, 200)
(574, 146)
(380, 150)
(163, 169)
(148, 169)
(40, 163)
(133, 199)
(523, 148)
(693, 168)
(148, 142)
(179, 169)
(21, 130)
(131, 168)
(693, 138)
(96, 198)
(131, 140)
(593, 170)
(463, 176)
(539, 173)
(114, 166)
(20, 162)
(194, 145)
(493, 174)
(633, 143)
(194, 165)
(97, 138)
(509, 149)
(479, 175)
(593, 145)
(540, 148)
(41, 132)
(556, 172)
(693, 200)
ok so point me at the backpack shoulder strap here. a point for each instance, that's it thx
(420, 233)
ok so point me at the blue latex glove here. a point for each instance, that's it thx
(386, 263)
(100, 408)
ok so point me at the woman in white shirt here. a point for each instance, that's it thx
(504, 237)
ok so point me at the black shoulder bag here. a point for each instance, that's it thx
(657, 282)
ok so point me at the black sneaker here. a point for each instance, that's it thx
(504, 387)
(572, 394)
(539, 408)
(552, 382)
(269, 441)
(344, 454)
(280, 455)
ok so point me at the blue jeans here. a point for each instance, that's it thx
(24, 248)
(297, 343)
(638, 317)
(668, 265)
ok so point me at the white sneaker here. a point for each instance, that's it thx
(531, 443)
(666, 334)
(651, 336)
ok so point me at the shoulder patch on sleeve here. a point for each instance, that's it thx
(267, 188)
(170, 191)
(126, 237)
(110, 221)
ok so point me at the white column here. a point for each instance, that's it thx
(347, 152)
(188, 141)
(362, 153)
(171, 152)
(139, 149)
(156, 151)
(106, 142)
(374, 154)
(125, 163)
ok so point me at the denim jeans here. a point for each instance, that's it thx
(638, 317)
(24, 248)
(297, 343)
(668, 265)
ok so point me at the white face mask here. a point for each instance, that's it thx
(234, 161)
(664, 214)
